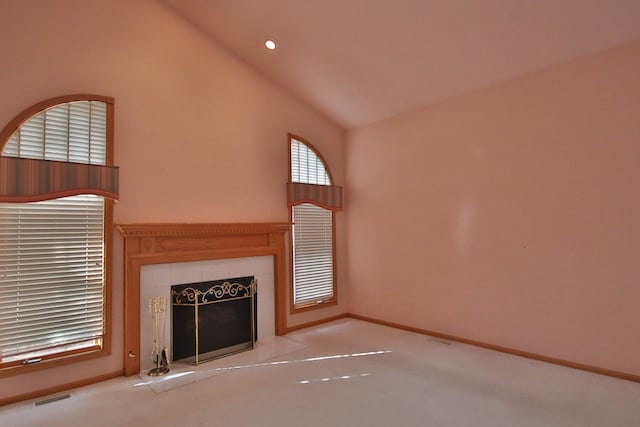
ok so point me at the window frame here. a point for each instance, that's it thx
(334, 299)
(74, 356)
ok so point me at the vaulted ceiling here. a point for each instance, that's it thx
(359, 61)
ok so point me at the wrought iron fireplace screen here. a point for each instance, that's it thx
(213, 319)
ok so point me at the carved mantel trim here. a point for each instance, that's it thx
(166, 243)
(173, 229)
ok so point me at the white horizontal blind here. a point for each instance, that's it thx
(71, 132)
(50, 274)
(313, 254)
(52, 252)
(306, 166)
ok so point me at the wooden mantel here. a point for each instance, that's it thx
(168, 243)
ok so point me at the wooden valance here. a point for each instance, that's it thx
(326, 196)
(29, 180)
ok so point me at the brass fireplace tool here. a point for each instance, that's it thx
(158, 310)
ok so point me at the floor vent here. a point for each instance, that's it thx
(52, 399)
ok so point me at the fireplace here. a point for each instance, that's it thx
(157, 280)
(185, 252)
(213, 319)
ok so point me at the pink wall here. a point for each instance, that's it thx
(199, 136)
(509, 216)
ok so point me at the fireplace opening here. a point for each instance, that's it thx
(213, 319)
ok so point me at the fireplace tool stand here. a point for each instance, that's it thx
(157, 311)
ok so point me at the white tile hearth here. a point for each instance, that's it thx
(263, 353)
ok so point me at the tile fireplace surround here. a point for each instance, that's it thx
(157, 279)
(150, 244)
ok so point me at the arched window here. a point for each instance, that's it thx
(312, 202)
(56, 218)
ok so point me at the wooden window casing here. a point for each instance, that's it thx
(69, 352)
(314, 270)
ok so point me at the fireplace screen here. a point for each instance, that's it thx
(213, 319)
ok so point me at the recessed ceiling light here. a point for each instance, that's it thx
(270, 44)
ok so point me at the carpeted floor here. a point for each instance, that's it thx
(349, 373)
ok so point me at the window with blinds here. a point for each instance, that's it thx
(52, 252)
(70, 132)
(313, 254)
(306, 166)
(313, 232)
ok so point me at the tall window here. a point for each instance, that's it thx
(56, 186)
(312, 199)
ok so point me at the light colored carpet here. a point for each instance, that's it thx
(353, 373)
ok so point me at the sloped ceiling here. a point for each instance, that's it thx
(359, 61)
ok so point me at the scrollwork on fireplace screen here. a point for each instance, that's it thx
(233, 290)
